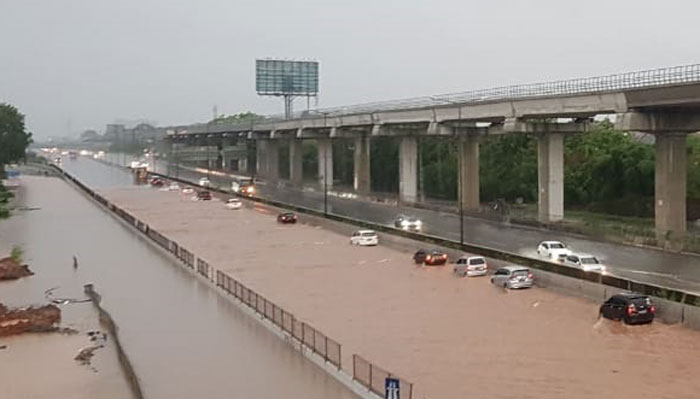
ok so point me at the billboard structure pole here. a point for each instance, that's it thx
(287, 79)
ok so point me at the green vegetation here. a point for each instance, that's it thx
(606, 171)
(241, 117)
(14, 140)
(17, 253)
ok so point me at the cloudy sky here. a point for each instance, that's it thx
(71, 65)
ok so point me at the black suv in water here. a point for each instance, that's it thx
(631, 308)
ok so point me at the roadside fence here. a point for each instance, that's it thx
(373, 377)
(305, 335)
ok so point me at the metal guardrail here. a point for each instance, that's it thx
(677, 75)
(372, 377)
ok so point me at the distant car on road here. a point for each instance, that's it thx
(552, 249)
(157, 182)
(513, 277)
(287, 217)
(203, 195)
(410, 223)
(364, 237)
(187, 190)
(204, 182)
(588, 263)
(173, 187)
(430, 258)
(471, 266)
(244, 187)
(234, 203)
(630, 308)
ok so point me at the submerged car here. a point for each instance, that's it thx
(471, 266)
(513, 277)
(430, 258)
(187, 190)
(410, 223)
(287, 217)
(364, 237)
(173, 187)
(234, 203)
(157, 182)
(630, 308)
(203, 195)
(588, 263)
(552, 249)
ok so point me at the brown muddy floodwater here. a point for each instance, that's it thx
(184, 340)
(452, 337)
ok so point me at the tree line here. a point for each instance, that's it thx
(605, 170)
(14, 140)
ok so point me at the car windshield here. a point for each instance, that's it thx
(589, 261)
(557, 245)
(477, 261)
(369, 234)
(639, 301)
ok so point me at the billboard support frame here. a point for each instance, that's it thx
(287, 79)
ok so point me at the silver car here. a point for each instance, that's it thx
(513, 277)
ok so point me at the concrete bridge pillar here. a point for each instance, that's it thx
(361, 180)
(670, 187)
(325, 162)
(408, 169)
(268, 160)
(242, 165)
(469, 155)
(295, 162)
(550, 177)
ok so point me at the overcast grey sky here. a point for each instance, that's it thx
(70, 65)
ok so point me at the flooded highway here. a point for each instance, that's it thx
(675, 270)
(452, 337)
(183, 338)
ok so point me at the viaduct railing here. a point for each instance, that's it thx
(678, 75)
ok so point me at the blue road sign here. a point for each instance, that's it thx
(391, 388)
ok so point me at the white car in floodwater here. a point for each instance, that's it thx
(552, 249)
(204, 182)
(364, 237)
(187, 190)
(173, 187)
(234, 203)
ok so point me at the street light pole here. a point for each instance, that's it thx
(460, 194)
(208, 142)
(325, 180)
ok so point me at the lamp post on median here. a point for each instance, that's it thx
(460, 194)
(326, 150)
(208, 142)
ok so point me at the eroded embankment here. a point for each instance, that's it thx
(31, 319)
(10, 269)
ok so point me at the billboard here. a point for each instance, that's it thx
(284, 77)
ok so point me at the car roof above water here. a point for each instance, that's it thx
(513, 268)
